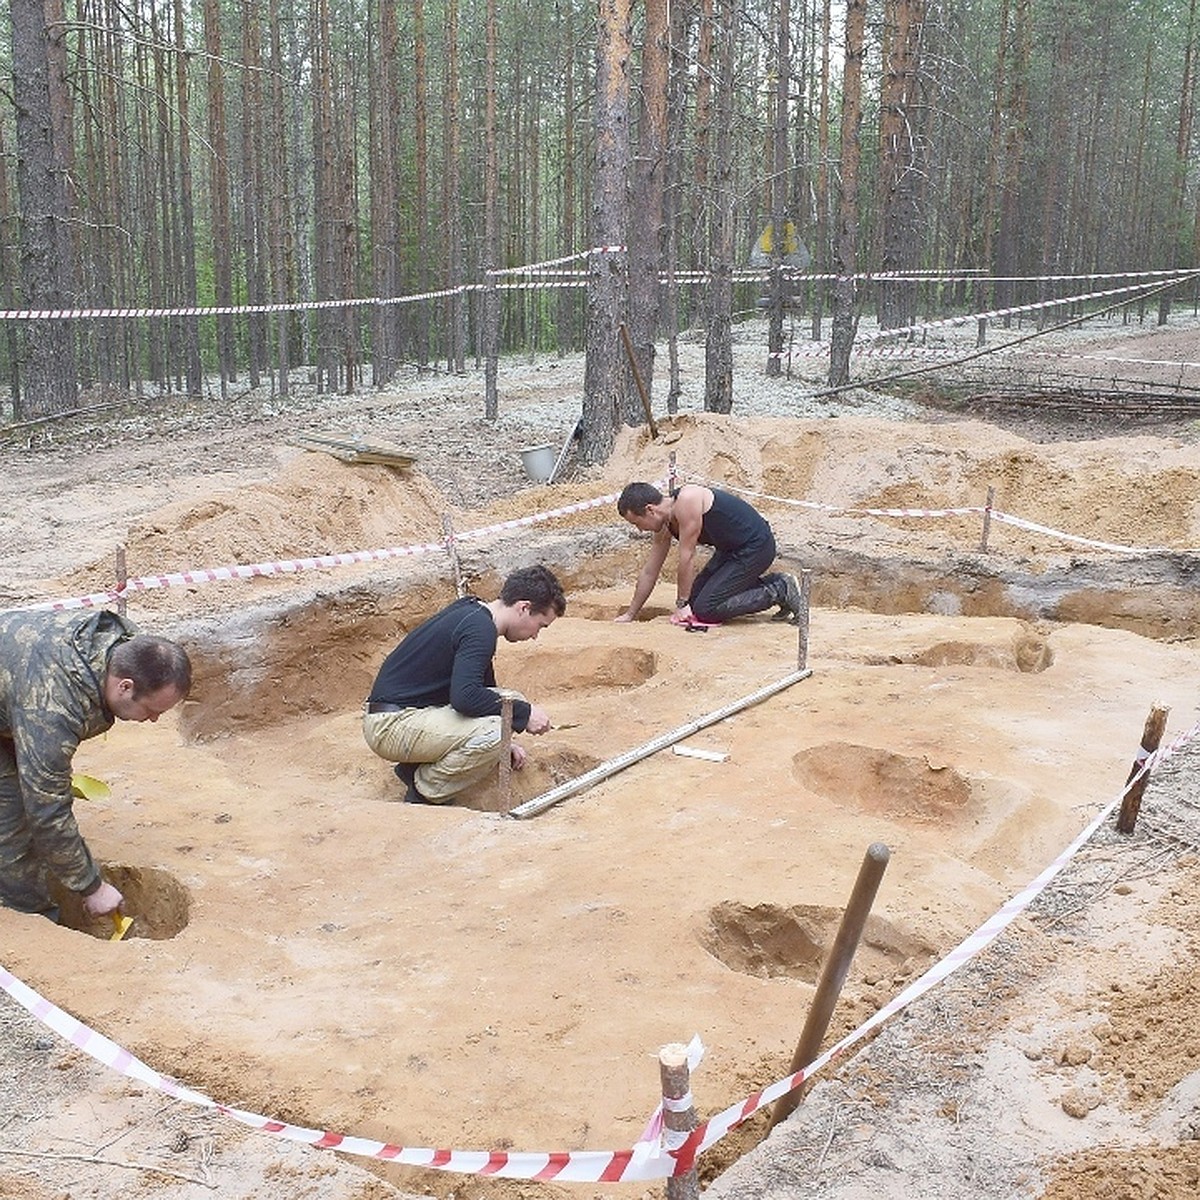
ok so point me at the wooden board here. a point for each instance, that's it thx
(354, 450)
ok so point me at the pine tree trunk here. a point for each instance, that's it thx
(604, 374)
(491, 228)
(421, 272)
(47, 358)
(218, 182)
(844, 318)
(901, 158)
(456, 344)
(189, 328)
(718, 341)
(647, 227)
(779, 189)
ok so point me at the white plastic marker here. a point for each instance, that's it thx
(692, 752)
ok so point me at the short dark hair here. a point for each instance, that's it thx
(152, 663)
(637, 497)
(539, 586)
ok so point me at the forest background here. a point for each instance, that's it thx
(210, 193)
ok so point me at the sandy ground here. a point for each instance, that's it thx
(306, 947)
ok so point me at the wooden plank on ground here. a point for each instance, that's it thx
(353, 449)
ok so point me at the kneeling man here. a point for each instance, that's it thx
(434, 710)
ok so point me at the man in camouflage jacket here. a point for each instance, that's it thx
(65, 678)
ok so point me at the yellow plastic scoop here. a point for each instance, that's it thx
(88, 787)
(120, 926)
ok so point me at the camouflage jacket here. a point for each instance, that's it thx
(52, 669)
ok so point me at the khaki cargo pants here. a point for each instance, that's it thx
(453, 751)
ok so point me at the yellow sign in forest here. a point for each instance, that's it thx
(793, 251)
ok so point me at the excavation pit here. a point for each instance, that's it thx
(155, 899)
(771, 941)
(452, 964)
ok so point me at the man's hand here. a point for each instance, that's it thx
(519, 756)
(102, 901)
(539, 720)
(624, 618)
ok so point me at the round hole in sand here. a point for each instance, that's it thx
(770, 941)
(158, 903)
(879, 781)
(542, 772)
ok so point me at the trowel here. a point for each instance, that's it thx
(88, 787)
(120, 924)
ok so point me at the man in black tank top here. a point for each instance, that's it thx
(732, 583)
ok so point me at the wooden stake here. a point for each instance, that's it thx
(802, 620)
(987, 519)
(679, 1115)
(452, 550)
(1135, 785)
(833, 973)
(637, 378)
(505, 776)
(122, 580)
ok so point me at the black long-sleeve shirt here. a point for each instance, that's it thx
(448, 660)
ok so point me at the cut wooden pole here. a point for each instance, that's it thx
(637, 378)
(833, 974)
(802, 620)
(452, 550)
(505, 777)
(679, 1115)
(1135, 785)
(540, 803)
(672, 472)
(987, 519)
(122, 580)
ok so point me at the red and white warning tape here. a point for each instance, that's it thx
(291, 566)
(649, 1158)
(967, 511)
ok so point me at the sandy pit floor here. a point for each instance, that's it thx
(309, 948)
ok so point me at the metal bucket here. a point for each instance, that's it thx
(538, 462)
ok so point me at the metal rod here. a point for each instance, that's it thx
(581, 783)
(833, 974)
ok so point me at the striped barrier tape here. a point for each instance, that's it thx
(967, 511)
(294, 565)
(64, 314)
(647, 1159)
(742, 276)
(358, 557)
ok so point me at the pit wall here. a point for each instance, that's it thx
(318, 652)
(1153, 595)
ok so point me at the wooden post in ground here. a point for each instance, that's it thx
(505, 776)
(679, 1115)
(805, 582)
(637, 378)
(833, 973)
(672, 472)
(1135, 785)
(452, 550)
(122, 580)
(987, 519)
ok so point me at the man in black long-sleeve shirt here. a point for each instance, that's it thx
(434, 709)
